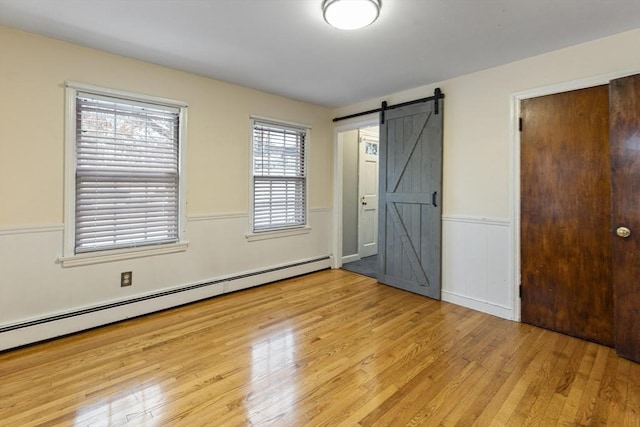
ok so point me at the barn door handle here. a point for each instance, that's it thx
(433, 199)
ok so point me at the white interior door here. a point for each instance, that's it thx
(368, 192)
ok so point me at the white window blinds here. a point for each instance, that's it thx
(279, 177)
(126, 173)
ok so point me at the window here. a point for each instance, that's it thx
(279, 176)
(126, 187)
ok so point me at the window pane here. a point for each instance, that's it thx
(279, 177)
(126, 173)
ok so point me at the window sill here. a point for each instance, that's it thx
(121, 254)
(253, 237)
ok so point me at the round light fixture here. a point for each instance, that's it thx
(350, 14)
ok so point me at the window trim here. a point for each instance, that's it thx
(69, 257)
(273, 233)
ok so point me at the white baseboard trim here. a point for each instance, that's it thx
(350, 258)
(478, 305)
(48, 327)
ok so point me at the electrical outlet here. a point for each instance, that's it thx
(126, 278)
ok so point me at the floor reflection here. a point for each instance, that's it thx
(131, 406)
(273, 379)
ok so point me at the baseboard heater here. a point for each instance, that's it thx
(102, 307)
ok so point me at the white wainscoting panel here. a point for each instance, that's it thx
(40, 299)
(478, 264)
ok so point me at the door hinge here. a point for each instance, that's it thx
(520, 124)
(520, 291)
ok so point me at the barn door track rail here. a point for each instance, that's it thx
(437, 94)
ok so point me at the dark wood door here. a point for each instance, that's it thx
(409, 208)
(566, 214)
(624, 102)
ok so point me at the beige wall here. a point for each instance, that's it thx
(32, 72)
(477, 121)
(480, 258)
(219, 258)
(350, 193)
(478, 255)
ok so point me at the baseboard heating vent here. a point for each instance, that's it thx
(97, 308)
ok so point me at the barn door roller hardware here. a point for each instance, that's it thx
(437, 95)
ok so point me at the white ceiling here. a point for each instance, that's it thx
(284, 46)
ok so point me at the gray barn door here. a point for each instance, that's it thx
(409, 243)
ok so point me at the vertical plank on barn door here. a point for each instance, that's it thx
(624, 108)
(409, 199)
(565, 214)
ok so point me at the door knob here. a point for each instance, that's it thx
(364, 203)
(623, 232)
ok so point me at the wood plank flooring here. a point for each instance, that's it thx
(331, 348)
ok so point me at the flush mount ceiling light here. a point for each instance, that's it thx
(350, 14)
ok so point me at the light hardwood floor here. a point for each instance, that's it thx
(330, 348)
